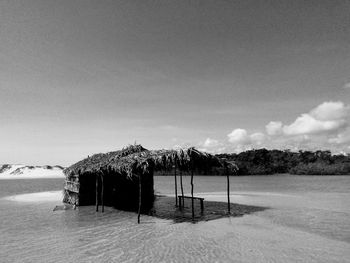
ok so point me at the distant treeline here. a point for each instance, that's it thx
(263, 162)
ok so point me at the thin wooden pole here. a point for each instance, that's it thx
(175, 185)
(139, 212)
(192, 192)
(182, 190)
(96, 193)
(102, 194)
(228, 192)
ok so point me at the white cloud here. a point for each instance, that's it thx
(325, 127)
(321, 128)
(328, 111)
(341, 138)
(257, 138)
(347, 86)
(212, 146)
(327, 117)
(306, 124)
(210, 143)
(239, 137)
(274, 128)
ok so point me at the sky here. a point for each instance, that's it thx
(82, 77)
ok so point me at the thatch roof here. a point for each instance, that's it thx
(137, 160)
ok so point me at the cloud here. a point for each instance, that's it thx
(210, 143)
(325, 118)
(341, 138)
(325, 127)
(306, 124)
(328, 111)
(274, 128)
(239, 137)
(212, 146)
(347, 86)
(257, 138)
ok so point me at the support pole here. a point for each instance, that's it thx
(192, 192)
(139, 211)
(228, 191)
(175, 185)
(182, 190)
(102, 193)
(96, 193)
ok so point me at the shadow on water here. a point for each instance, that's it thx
(164, 208)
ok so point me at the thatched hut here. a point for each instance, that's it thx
(117, 178)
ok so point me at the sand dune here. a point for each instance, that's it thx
(19, 171)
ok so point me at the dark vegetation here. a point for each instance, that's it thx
(264, 162)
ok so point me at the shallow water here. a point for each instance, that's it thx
(307, 222)
(316, 204)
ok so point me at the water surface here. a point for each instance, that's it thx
(308, 222)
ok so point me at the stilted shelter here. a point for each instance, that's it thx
(124, 179)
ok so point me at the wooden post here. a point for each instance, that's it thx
(96, 192)
(192, 191)
(228, 193)
(102, 194)
(139, 212)
(175, 185)
(182, 190)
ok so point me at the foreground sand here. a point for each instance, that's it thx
(87, 236)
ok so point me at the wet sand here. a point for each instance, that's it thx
(48, 196)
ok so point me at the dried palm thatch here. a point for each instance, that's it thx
(136, 160)
(98, 161)
(121, 172)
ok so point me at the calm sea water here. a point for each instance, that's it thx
(310, 209)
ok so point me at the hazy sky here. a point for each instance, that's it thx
(80, 77)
